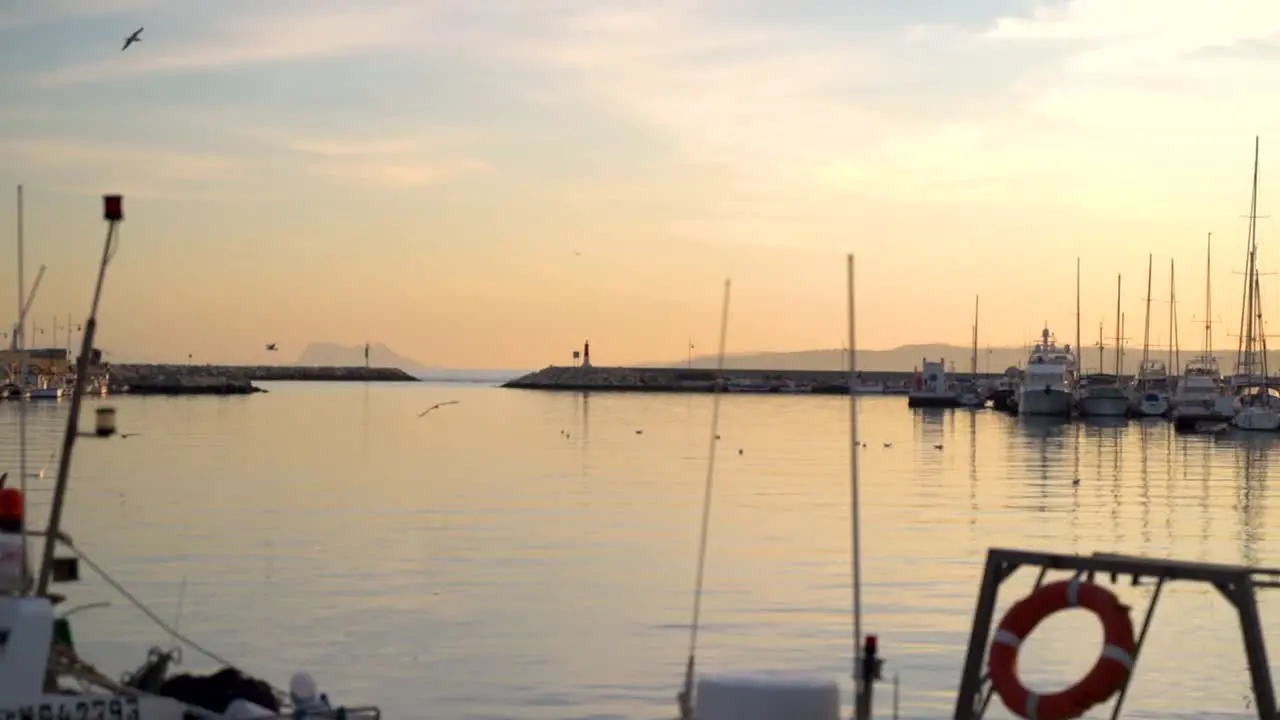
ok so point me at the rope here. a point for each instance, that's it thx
(153, 617)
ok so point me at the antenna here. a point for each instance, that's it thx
(685, 698)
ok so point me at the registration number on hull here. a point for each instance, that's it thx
(116, 708)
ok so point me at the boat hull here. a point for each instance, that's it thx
(932, 400)
(1044, 401)
(1151, 405)
(1104, 406)
(1260, 419)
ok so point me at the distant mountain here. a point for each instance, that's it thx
(908, 358)
(327, 354)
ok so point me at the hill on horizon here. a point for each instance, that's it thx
(908, 357)
(330, 354)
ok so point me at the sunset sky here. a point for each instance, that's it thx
(488, 183)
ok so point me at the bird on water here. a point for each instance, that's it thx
(135, 37)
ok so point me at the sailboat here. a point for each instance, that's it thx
(1201, 396)
(1100, 394)
(42, 676)
(1150, 392)
(1256, 404)
(971, 394)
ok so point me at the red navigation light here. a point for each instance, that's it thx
(10, 504)
(113, 207)
(872, 642)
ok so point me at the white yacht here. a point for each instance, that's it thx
(1150, 393)
(1200, 396)
(1048, 384)
(1100, 395)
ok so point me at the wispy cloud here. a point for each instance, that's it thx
(141, 170)
(21, 13)
(282, 31)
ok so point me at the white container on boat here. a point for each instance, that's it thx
(766, 698)
(27, 627)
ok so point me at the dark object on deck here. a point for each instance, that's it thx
(215, 692)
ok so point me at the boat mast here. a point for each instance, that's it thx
(973, 359)
(1146, 332)
(20, 344)
(1077, 353)
(1101, 349)
(1173, 324)
(1246, 360)
(113, 213)
(1208, 298)
(1119, 328)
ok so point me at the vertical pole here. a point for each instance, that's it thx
(20, 332)
(862, 686)
(73, 422)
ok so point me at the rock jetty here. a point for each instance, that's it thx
(180, 379)
(624, 379)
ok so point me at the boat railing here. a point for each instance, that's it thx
(1236, 583)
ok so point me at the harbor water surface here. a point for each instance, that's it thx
(531, 555)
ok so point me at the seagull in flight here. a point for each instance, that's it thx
(271, 347)
(437, 406)
(135, 37)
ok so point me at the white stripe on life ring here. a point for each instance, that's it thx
(1118, 654)
(1033, 702)
(1006, 637)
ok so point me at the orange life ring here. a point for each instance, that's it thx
(1108, 675)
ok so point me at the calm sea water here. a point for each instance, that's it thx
(531, 555)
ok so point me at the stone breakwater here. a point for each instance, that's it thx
(624, 379)
(135, 379)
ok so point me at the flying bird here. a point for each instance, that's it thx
(124, 436)
(271, 347)
(437, 406)
(135, 37)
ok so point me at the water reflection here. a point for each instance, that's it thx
(468, 525)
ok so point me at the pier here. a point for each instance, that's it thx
(675, 380)
(186, 379)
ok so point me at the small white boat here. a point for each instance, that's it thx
(1047, 386)
(932, 387)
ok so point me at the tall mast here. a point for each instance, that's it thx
(973, 359)
(1120, 367)
(1119, 328)
(1173, 324)
(1208, 297)
(1146, 329)
(1101, 349)
(1077, 311)
(20, 344)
